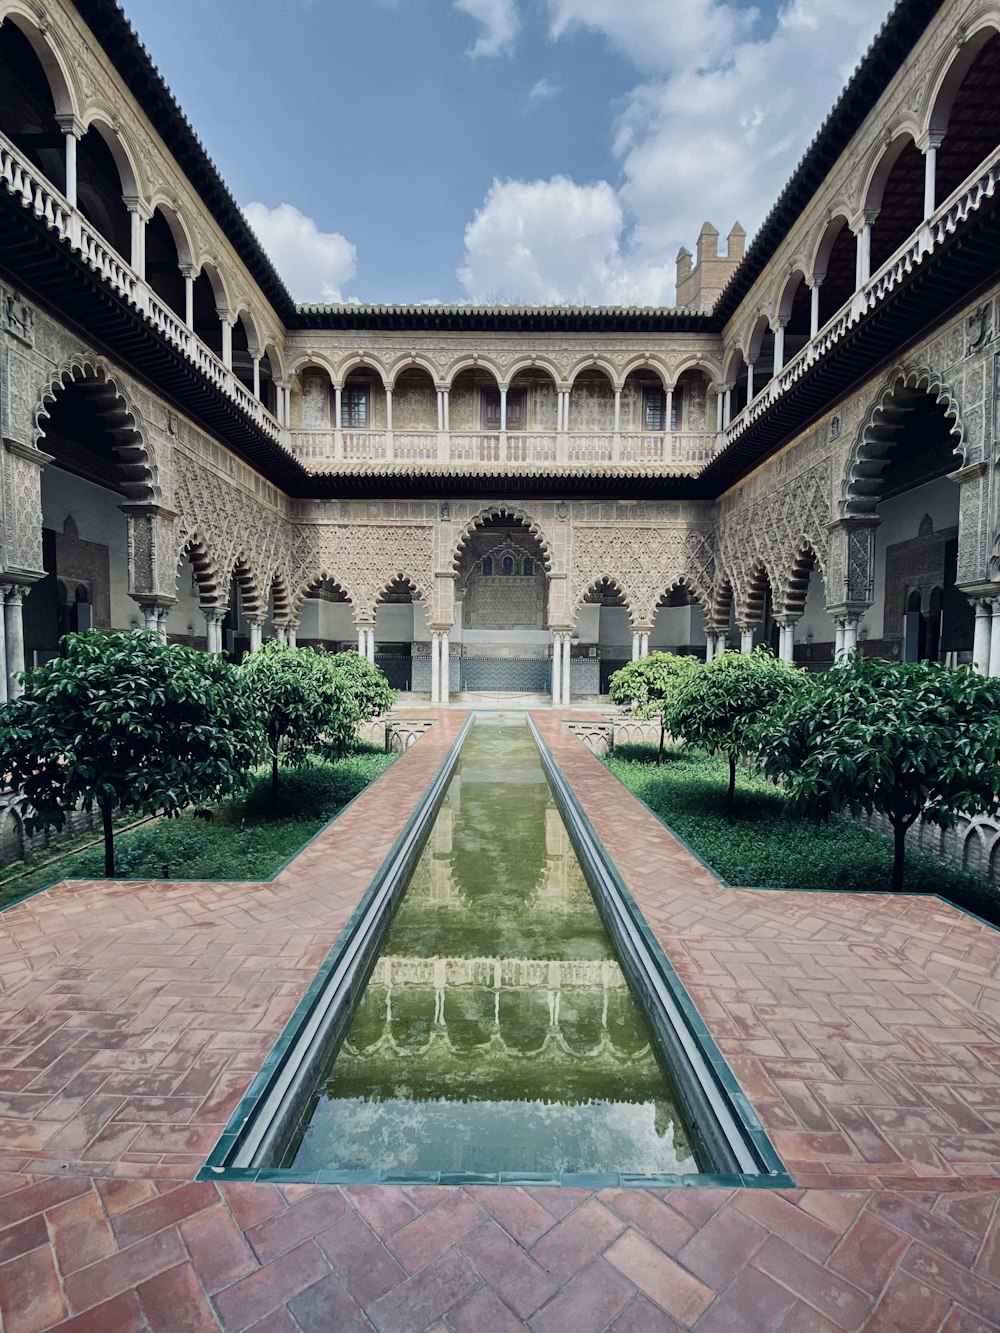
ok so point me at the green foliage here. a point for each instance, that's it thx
(902, 738)
(246, 838)
(644, 685)
(125, 722)
(303, 701)
(366, 684)
(724, 703)
(769, 844)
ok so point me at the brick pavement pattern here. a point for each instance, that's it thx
(864, 1030)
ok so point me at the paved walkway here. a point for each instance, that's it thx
(865, 1030)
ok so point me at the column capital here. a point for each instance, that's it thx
(70, 124)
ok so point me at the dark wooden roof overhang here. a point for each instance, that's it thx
(949, 277)
(505, 319)
(47, 270)
(450, 484)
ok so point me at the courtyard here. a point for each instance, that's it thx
(863, 1029)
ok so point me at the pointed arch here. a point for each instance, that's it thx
(416, 591)
(691, 586)
(877, 434)
(136, 460)
(503, 511)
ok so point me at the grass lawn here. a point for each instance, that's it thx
(244, 839)
(765, 845)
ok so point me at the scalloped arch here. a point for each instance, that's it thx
(280, 593)
(324, 575)
(750, 610)
(692, 586)
(877, 434)
(248, 580)
(804, 562)
(412, 583)
(507, 511)
(605, 580)
(213, 590)
(136, 459)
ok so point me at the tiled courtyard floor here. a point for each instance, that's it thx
(865, 1031)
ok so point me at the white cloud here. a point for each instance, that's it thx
(501, 24)
(543, 91)
(554, 242)
(314, 264)
(713, 132)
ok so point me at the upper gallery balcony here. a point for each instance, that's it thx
(531, 422)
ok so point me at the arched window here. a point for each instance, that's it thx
(528, 565)
(487, 565)
(507, 565)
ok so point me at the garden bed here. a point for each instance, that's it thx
(245, 839)
(765, 846)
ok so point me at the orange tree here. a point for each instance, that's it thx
(125, 722)
(904, 739)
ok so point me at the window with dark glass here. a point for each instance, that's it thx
(507, 565)
(654, 409)
(487, 565)
(354, 406)
(528, 565)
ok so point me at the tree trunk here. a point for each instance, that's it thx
(274, 775)
(109, 843)
(731, 794)
(659, 756)
(899, 832)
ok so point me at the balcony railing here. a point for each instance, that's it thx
(21, 179)
(679, 451)
(928, 237)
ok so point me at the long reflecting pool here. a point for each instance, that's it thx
(497, 1032)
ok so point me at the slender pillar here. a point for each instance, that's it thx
(838, 643)
(151, 617)
(636, 645)
(503, 410)
(779, 346)
(930, 172)
(668, 411)
(362, 641)
(746, 639)
(447, 411)
(370, 647)
(290, 637)
(644, 644)
(440, 410)
(256, 628)
(255, 362)
(445, 666)
(162, 615)
(750, 366)
(137, 239)
(14, 627)
(388, 409)
(287, 391)
(566, 674)
(863, 266)
(618, 410)
(3, 652)
(850, 635)
(227, 343)
(994, 637)
(981, 639)
(814, 308)
(727, 415)
(69, 137)
(557, 668)
(213, 631)
(720, 404)
(189, 276)
(435, 667)
(709, 646)
(338, 407)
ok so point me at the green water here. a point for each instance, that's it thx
(496, 1032)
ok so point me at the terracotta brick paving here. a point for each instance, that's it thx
(863, 1029)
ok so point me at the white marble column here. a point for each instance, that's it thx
(981, 638)
(750, 366)
(668, 411)
(290, 636)
(746, 639)
(779, 346)
(814, 308)
(727, 414)
(255, 362)
(636, 645)
(435, 667)
(162, 616)
(863, 262)
(14, 632)
(930, 173)
(618, 410)
(644, 644)
(189, 276)
(709, 646)
(994, 637)
(3, 652)
(720, 404)
(150, 617)
(557, 644)
(566, 672)
(137, 237)
(213, 630)
(256, 630)
(445, 666)
(838, 642)
(850, 634)
(370, 645)
(227, 343)
(69, 137)
(503, 410)
(388, 409)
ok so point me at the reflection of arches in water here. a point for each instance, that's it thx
(565, 1030)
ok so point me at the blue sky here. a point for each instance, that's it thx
(537, 151)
